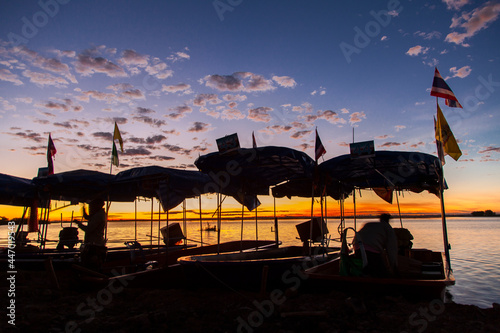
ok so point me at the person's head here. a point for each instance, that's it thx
(95, 205)
(385, 217)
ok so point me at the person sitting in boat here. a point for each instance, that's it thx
(94, 230)
(378, 238)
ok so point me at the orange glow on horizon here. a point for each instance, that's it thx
(367, 204)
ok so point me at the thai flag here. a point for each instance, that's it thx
(319, 149)
(441, 89)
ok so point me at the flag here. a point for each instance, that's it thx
(117, 136)
(444, 134)
(384, 193)
(114, 156)
(441, 89)
(254, 143)
(33, 218)
(319, 149)
(51, 151)
(439, 144)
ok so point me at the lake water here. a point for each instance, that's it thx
(475, 245)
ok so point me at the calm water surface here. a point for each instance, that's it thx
(475, 245)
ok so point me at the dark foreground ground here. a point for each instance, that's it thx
(117, 309)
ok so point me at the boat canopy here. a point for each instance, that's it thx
(389, 170)
(246, 172)
(171, 186)
(78, 186)
(15, 191)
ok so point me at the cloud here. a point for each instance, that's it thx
(107, 136)
(6, 75)
(384, 38)
(331, 117)
(176, 149)
(179, 112)
(461, 72)
(29, 135)
(66, 105)
(231, 114)
(416, 50)
(199, 126)
(181, 87)
(277, 129)
(285, 81)
(65, 124)
(142, 110)
(6, 105)
(357, 117)
(385, 136)
(158, 69)
(150, 121)
(428, 35)
(344, 110)
(176, 56)
(45, 79)
(399, 127)
(489, 149)
(120, 86)
(239, 81)
(203, 99)
(131, 58)
(472, 22)
(260, 114)
(87, 65)
(139, 151)
(149, 140)
(455, 4)
(236, 98)
(300, 134)
(49, 64)
(390, 144)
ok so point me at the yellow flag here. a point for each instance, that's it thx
(118, 136)
(444, 134)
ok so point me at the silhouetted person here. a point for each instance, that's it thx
(94, 230)
(93, 251)
(377, 238)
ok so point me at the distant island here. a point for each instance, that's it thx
(483, 213)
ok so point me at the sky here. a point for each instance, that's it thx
(177, 75)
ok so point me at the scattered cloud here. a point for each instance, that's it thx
(472, 22)
(203, 99)
(232, 114)
(239, 81)
(199, 126)
(300, 134)
(179, 112)
(489, 150)
(461, 72)
(399, 127)
(181, 87)
(285, 81)
(260, 114)
(428, 35)
(455, 4)
(357, 117)
(7, 75)
(86, 65)
(416, 50)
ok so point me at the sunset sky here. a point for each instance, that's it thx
(177, 75)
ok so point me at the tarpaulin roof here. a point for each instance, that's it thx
(15, 191)
(171, 186)
(78, 186)
(397, 170)
(252, 171)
